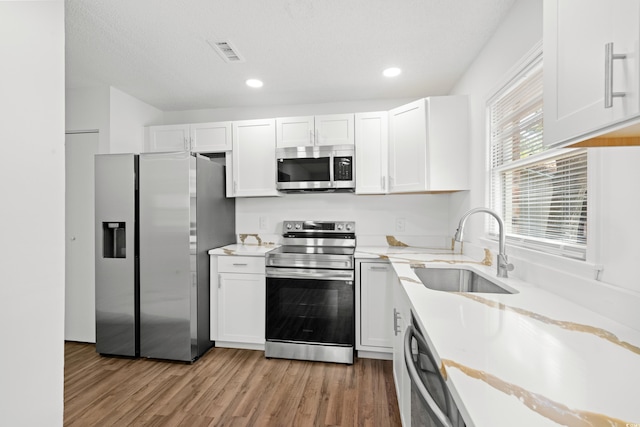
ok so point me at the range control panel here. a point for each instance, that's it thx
(319, 226)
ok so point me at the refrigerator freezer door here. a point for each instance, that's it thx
(165, 262)
(116, 257)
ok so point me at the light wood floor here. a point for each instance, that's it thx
(226, 387)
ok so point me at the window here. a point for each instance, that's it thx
(541, 194)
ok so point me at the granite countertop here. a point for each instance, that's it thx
(530, 358)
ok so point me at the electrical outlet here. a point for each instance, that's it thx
(400, 224)
(263, 223)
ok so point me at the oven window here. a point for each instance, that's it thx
(303, 170)
(314, 311)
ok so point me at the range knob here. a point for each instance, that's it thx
(298, 226)
(349, 227)
(339, 226)
(289, 226)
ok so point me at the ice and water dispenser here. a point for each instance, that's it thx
(114, 240)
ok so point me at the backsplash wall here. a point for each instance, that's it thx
(421, 219)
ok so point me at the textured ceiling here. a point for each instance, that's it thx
(305, 51)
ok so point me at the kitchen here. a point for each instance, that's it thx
(39, 305)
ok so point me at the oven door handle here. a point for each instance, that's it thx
(437, 415)
(309, 273)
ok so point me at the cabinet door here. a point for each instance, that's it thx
(575, 35)
(294, 131)
(211, 137)
(241, 308)
(167, 138)
(401, 320)
(372, 144)
(335, 129)
(407, 148)
(376, 311)
(254, 158)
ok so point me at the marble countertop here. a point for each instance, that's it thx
(530, 358)
(241, 249)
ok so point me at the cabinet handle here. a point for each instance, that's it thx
(240, 264)
(609, 57)
(219, 281)
(383, 182)
(235, 187)
(396, 318)
(384, 268)
(186, 143)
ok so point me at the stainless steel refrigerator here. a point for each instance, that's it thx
(157, 215)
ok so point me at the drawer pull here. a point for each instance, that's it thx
(240, 264)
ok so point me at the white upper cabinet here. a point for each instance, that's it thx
(428, 145)
(294, 131)
(253, 159)
(334, 129)
(372, 144)
(590, 50)
(166, 138)
(210, 137)
(197, 137)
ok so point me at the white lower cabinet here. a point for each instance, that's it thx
(375, 329)
(239, 286)
(401, 317)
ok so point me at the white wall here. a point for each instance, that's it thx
(128, 116)
(613, 236)
(88, 109)
(32, 214)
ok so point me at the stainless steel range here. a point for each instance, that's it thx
(310, 292)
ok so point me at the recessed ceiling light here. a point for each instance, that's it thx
(392, 72)
(254, 83)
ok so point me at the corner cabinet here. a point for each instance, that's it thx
(252, 163)
(238, 293)
(372, 145)
(428, 145)
(333, 129)
(584, 40)
(374, 326)
(197, 138)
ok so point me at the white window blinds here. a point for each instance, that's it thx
(541, 194)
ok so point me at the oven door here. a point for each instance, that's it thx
(310, 306)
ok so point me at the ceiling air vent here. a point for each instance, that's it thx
(226, 50)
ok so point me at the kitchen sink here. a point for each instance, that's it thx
(457, 280)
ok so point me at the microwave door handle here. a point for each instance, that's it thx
(441, 419)
(332, 172)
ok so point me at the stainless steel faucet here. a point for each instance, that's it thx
(503, 264)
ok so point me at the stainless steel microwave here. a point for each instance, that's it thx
(316, 168)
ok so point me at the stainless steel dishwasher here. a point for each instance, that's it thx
(431, 402)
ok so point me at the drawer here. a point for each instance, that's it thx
(241, 264)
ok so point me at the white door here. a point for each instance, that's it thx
(254, 158)
(210, 137)
(575, 35)
(294, 131)
(334, 129)
(371, 139)
(167, 138)
(407, 148)
(80, 322)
